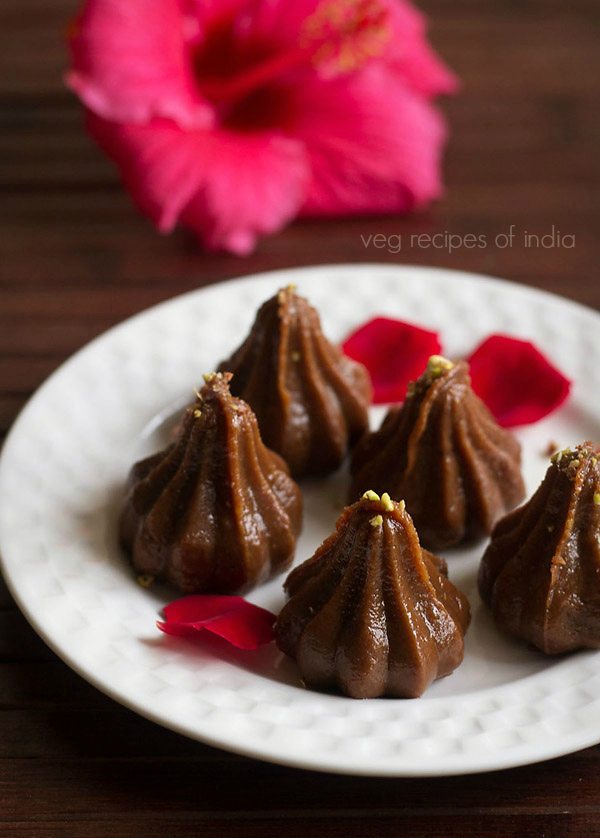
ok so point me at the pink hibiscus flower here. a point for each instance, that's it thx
(233, 116)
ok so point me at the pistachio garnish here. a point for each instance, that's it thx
(437, 365)
(387, 502)
(370, 495)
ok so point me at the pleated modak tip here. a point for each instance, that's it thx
(216, 511)
(444, 453)
(540, 574)
(311, 400)
(372, 613)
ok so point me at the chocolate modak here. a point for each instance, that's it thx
(444, 453)
(540, 574)
(372, 613)
(216, 511)
(310, 399)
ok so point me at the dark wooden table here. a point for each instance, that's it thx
(75, 259)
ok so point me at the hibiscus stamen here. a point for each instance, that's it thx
(339, 37)
(347, 33)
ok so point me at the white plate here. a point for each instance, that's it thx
(61, 477)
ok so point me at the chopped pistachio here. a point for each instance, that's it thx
(197, 413)
(371, 495)
(597, 498)
(289, 289)
(440, 361)
(376, 520)
(401, 505)
(145, 580)
(387, 502)
(566, 458)
(437, 365)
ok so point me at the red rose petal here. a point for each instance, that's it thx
(244, 625)
(518, 384)
(394, 353)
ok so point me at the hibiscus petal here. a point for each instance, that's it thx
(158, 164)
(516, 381)
(229, 188)
(282, 22)
(410, 54)
(240, 623)
(374, 144)
(130, 63)
(407, 51)
(394, 352)
(255, 185)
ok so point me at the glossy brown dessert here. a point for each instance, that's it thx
(371, 613)
(216, 511)
(444, 453)
(310, 399)
(540, 574)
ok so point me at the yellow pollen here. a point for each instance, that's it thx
(371, 495)
(197, 413)
(376, 521)
(597, 498)
(346, 34)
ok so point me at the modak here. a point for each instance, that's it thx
(444, 453)
(372, 613)
(311, 400)
(217, 510)
(540, 574)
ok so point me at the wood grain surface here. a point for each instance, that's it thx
(75, 258)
